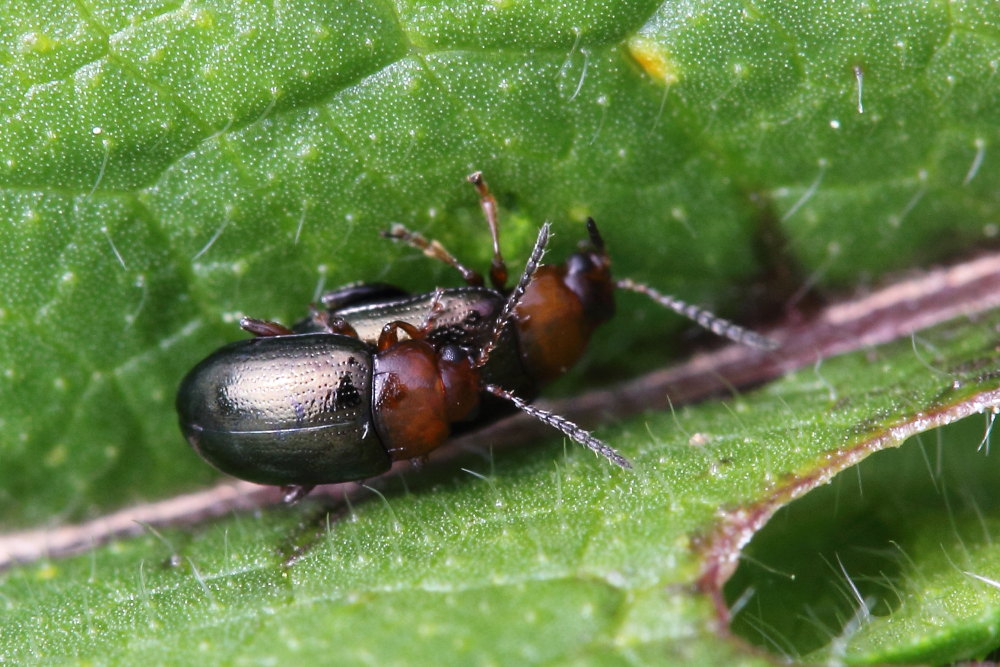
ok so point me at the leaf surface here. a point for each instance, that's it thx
(166, 168)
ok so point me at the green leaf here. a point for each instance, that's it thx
(546, 554)
(166, 167)
(892, 563)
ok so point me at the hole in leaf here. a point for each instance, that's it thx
(890, 562)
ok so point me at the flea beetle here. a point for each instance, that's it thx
(378, 375)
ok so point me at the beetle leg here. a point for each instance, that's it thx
(568, 428)
(390, 334)
(263, 327)
(434, 311)
(487, 202)
(503, 319)
(354, 294)
(705, 319)
(293, 493)
(434, 250)
(341, 326)
(332, 323)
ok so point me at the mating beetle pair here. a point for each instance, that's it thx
(377, 376)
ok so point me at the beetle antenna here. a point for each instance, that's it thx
(595, 236)
(515, 295)
(568, 428)
(704, 318)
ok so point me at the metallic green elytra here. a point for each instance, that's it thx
(286, 410)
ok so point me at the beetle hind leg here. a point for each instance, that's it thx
(334, 324)
(487, 202)
(263, 328)
(293, 493)
(434, 250)
(357, 294)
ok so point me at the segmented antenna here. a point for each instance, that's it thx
(595, 236)
(568, 428)
(503, 319)
(705, 319)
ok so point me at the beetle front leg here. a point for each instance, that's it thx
(435, 310)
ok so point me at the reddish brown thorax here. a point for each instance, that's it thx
(418, 393)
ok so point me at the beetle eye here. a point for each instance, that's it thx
(580, 262)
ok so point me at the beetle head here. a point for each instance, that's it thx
(588, 275)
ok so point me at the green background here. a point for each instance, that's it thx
(166, 168)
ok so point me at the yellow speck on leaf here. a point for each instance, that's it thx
(653, 59)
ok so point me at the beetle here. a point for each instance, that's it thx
(297, 410)
(377, 375)
(301, 408)
(549, 326)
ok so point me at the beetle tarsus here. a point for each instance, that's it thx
(568, 428)
(332, 323)
(434, 250)
(293, 493)
(434, 311)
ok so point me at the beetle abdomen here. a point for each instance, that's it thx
(285, 410)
